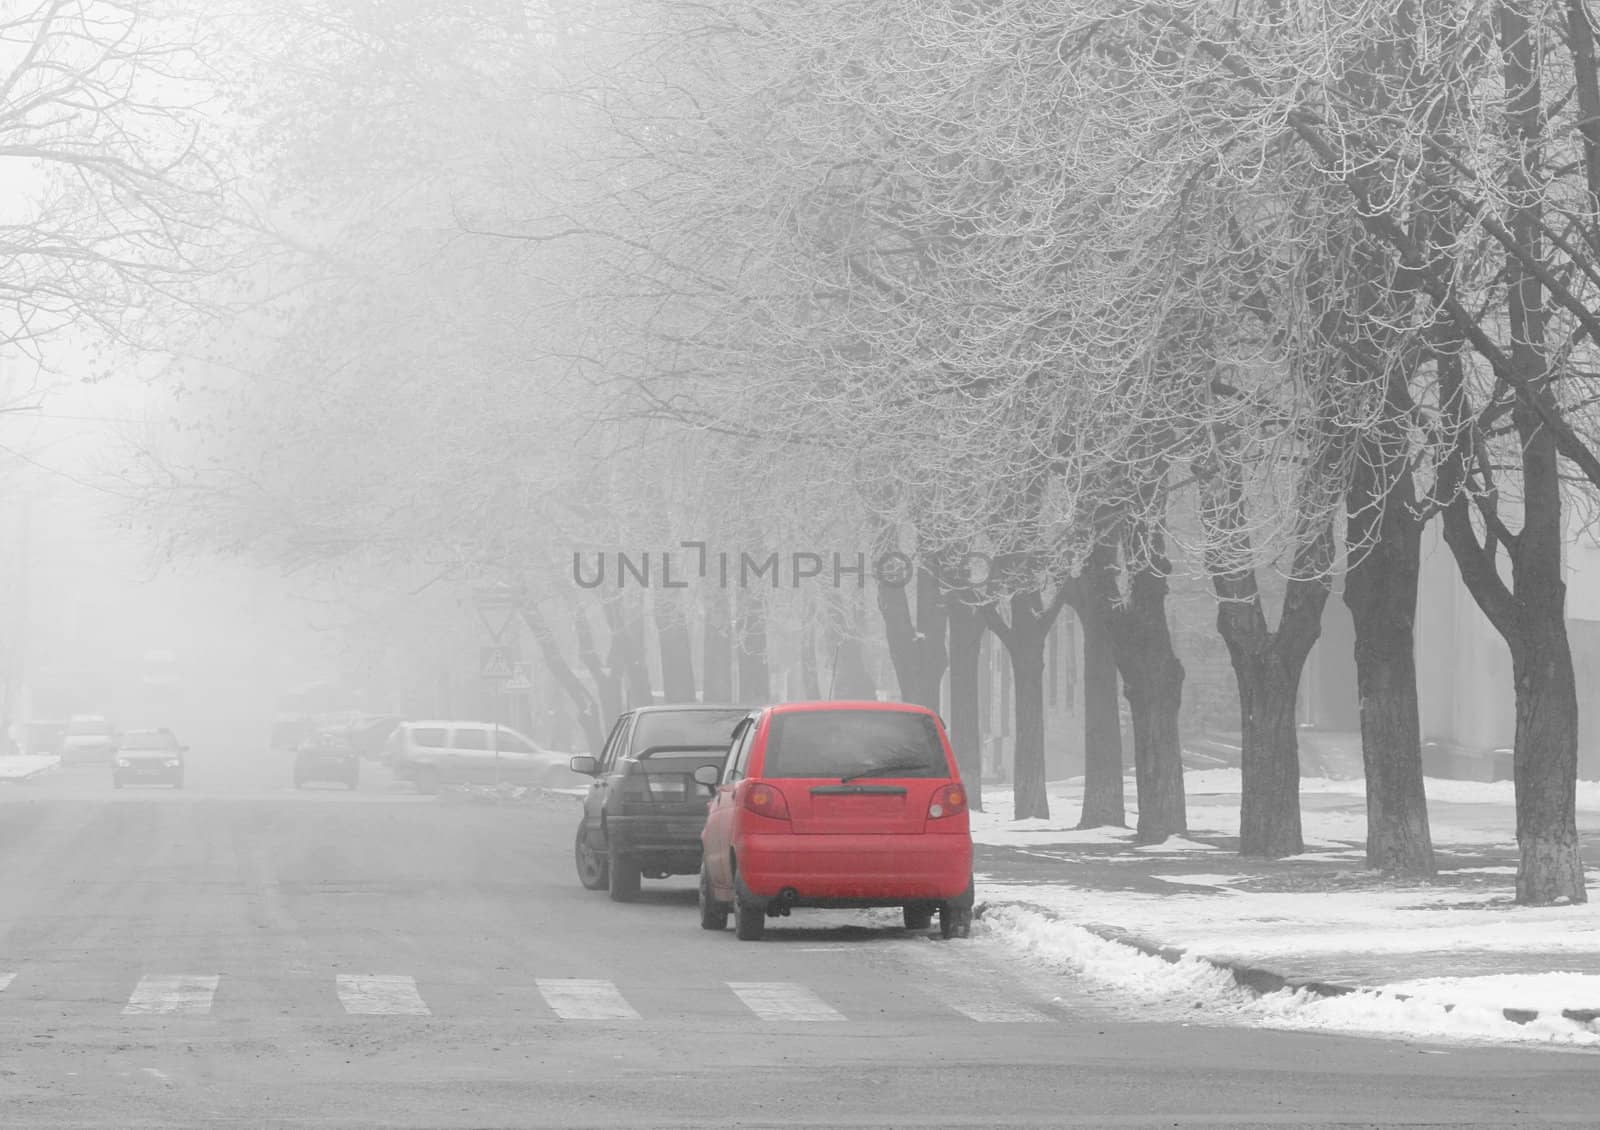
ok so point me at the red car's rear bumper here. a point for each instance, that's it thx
(862, 869)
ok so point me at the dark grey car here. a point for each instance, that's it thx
(148, 757)
(643, 815)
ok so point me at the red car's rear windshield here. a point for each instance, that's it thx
(844, 743)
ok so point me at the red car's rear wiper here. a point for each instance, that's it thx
(883, 770)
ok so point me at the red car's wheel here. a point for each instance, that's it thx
(713, 914)
(749, 917)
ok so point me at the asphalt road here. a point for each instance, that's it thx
(242, 954)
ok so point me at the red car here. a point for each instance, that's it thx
(837, 804)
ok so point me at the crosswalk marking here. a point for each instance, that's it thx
(783, 1000)
(569, 998)
(380, 994)
(575, 998)
(165, 994)
(998, 1012)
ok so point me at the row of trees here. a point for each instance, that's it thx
(1092, 289)
(1073, 284)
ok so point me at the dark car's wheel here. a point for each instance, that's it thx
(918, 916)
(428, 779)
(592, 870)
(178, 784)
(116, 782)
(625, 878)
(713, 914)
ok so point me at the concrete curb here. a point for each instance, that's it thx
(1262, 981)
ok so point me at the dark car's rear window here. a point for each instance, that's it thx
(686, 727)
(840, 743)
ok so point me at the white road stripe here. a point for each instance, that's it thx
(380, 994)
(6, 979)
(161, 994)
(573, 998)
(783, 1000)
(997, 1012)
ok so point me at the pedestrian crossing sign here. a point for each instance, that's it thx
(495, 662)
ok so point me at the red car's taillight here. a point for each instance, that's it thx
(764, 800)
(950, 800)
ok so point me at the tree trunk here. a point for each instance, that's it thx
(1103, 802)
(607, 684)
(1545, 768)
(583, 702)
(1267, 663)
(1531, 613)
(717, 651)
(966, 735)
(808, 661)
(1028, 770)
(1152, 682)
(916, 646)
(848, 676)
(626, 654)
(677, 655)
(755, 685)
(1380, 589)
(1269, 805)
(1024, 638)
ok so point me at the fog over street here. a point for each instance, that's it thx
(799, 563)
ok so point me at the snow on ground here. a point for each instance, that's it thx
(1408, 940)
(1268, 929)
(21, 765)
(1190, 984)
(1463, 813)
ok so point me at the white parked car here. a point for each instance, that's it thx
(89, 740)
(432, 754)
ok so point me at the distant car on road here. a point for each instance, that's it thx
(148, 757)
(89, 740)
(837, 804)
(43, 737)
(643, 814)
(328, 755)
(433, 754)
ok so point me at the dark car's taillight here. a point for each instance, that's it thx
(766, 800)
(949, 800)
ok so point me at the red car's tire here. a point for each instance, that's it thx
(713, 914)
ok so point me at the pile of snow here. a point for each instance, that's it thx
(1192, 988)
(1453, 943)
(20, 766)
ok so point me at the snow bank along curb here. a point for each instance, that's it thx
(24, 767)
(1264, 981)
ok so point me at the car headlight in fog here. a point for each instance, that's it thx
(122, 763)
(173, 763)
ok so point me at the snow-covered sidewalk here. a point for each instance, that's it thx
(1457, 949)
(21, 766)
